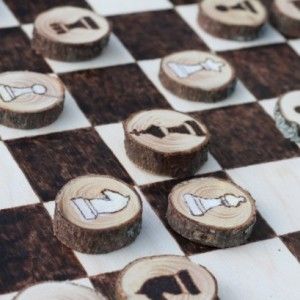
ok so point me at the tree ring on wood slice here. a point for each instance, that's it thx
(166, 142)
(30, 100)
(97, 214)
(55, 290)
(211, 211)
(197, 76)
(287, 115)
(239, 20)
(70, 33)
(165, 277)
(285, 15)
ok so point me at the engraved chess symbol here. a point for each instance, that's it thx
(169, 287)
(244, 5)
(198, 206)
(111, 202)
(184, 70)
(85, 23)
(9, 93)
(189, 127)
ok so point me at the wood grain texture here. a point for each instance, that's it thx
(13, 42)
(151, 34)
(264, 71)
(29, 251)
(27, 10)
(111, 94)
(51, 161)
(292, 241)
(249, 137)
(106, 284)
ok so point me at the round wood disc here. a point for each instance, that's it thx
(97, 214)
(54, 290)
(70, 33)
(30, 100)
(166, 142)
(211, 211)
(232, 19)
(286, 17)
(287, 115)
(197, 76)
(165, 277)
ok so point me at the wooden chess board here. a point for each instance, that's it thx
(88, 138)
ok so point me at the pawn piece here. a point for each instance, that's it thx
(166, 142)
(55, 290)
(30, 100)
(165, 277)
(70, 33)
(239, 20)
(287, 115)
(97, 214)
(211, 211)
(285, 15)
(197, 76)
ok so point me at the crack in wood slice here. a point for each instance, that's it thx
(166, 142)
(97, 214)
(211, 211)
(70, 33)
(30, 100)
(55, 290)
(165, 278)
(285, 16)
(197, 76)
(287, 115)
(239, 20)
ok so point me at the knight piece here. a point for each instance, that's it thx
(240, 20)
(165, 277)
(70, 33)
(285, 16)
(97, 214)
(197, 76)
(211, 211)
(30, 100)
(166, 142)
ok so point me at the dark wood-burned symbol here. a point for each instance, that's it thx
(167, 286)
(189, 127)
(244, 5)
(85, 23)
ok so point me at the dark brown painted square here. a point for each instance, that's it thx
(27, 10)
(292, 241)
(29, 252)
(105, 283)
(16, 53)
(109, 95)
(50, 161)
(244, 135)
(182, 2)
(155, 34)
(267, 71)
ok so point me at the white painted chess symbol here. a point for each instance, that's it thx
(110, 203)
(184, 70)
(8, 93)
(198, 206)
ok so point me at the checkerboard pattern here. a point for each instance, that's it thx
(88, 138)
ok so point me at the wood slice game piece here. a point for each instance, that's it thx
(197, 76)
(166, 142)
(239, 20)
(211, 211)
(285, 15)
(287, 115)
(97, 214)
(70, 34)
(165, 278)
(30, 100)
(55, 290)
